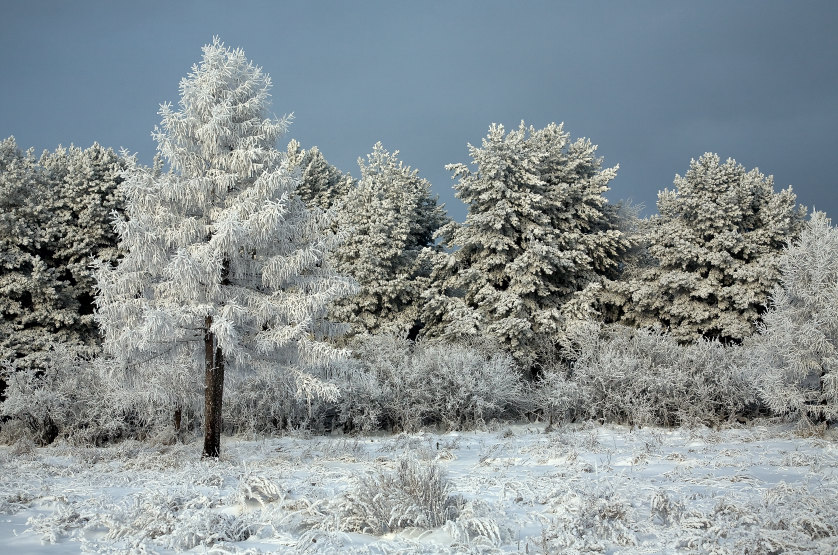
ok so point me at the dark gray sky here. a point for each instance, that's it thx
(653, 83)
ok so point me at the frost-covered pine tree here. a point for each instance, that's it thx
(538, 233)
(321, 185)
(82, 196)
(28, 286)
(796, 362)
(392, 217)
(223, 262)
(714, 250)
(55, 218)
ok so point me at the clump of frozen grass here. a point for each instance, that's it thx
(16, 500)
(172, 520)
(416, 494)
(787, 520)
(666, 508)
(477, 528)
(589, 516)
(258, 490)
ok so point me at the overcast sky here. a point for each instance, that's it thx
(653, 83)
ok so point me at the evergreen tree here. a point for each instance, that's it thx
(223, 262)
(538, 234)
(796, 362)
(56, 214)
(82, 197)
(29, 288)
(714, 248)
(321, 185)
(392, 218)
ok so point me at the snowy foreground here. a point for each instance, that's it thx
(758, 489)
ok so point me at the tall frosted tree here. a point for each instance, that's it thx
(83, 195)
(714, 250)
(796, 362)
(392, 217)
(538, 233)
(223, 263)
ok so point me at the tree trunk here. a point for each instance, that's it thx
(213, 392)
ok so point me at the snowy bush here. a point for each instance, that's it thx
(644, 377)
(95, 401)
(261, 403)
(465, 385)
(455, 386)
(416, 494)
(64, 399)
(795, 356)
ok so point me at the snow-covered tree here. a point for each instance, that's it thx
(27, 284)
(796, 362)
(56, 214)
(83, 195)
(321, 185)
(714, 248)
(392, 218)
(538, 233)
(222, 259)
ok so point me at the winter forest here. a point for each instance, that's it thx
(244, 349)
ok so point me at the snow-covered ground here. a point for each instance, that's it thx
(756, 489)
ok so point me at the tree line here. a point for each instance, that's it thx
(232, 253)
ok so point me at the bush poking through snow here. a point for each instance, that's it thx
(416, 494)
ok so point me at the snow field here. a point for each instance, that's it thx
(579, 488)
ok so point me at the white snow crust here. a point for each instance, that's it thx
(760, 488)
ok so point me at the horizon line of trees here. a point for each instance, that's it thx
(232, 253)
(540, 248)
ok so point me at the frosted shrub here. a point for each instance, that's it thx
(358, 408)
(643, 377)
(95, 401)
(416, 494)
(62, 400)
(262, 402)
(390, 383)
(386, 361)
(413, 385)
(465, 385)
